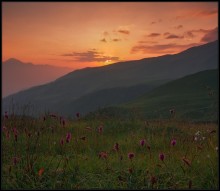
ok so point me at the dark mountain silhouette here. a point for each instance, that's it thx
(17, 75)
(193, 97)
(152, 72)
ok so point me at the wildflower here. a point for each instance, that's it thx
(6, 115)
(153, 180)
(100, 129)
(130, 155)
(161, 156)
(142, 142)
(15, 134)
(186, 161)
(53, 115)
(116, 146)
(172, 111)
(103, 155)
(147, 171)
(40, 172)
(197, 133)
(195, 138)
(146, 123)
(63, 122)
(15, 160)
(83, 138)
(130, 170)
(173, 142)
(77, 115)
(88, 128)
(4, 128)
(68, 137)
(8, 134)
(211, 131)
(199, 147)
(29, 134)
(120, 178)
(15, 130)
(148, 146)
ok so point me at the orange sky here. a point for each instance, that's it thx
(82, 34)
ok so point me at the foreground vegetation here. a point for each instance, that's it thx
(52, 152)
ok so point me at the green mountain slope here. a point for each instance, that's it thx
(194, 97)
(105, 98)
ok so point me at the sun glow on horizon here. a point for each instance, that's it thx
(83, 35)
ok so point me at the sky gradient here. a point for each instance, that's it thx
(79, 35)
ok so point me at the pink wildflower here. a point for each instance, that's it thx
(142, 142)
(161, 156)
(130, 155)
(88, 128)
(68, 137)
(116, 146)
(77, 115)
(83, 138)
(53, 115)
(4, 128)
(173, 142)
(63, 122)
(15, 160)
(130, 170)
(8, 134)
(6, 115)
(103, 155)
(100, 129)
(15, 134)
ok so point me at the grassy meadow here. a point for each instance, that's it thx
(52, 152)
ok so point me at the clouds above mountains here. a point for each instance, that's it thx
(208, 12)
(90, 56)
(161, 48)
(147, 47)
(173, 36)
(211, 35)
(114, 35)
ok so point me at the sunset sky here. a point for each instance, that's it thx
(81, 34)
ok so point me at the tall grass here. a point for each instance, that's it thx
(42, 158)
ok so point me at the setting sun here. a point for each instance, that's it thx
(78, 35)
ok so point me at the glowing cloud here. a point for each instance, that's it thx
(127, 32)
(90, 56)
(212, 35)
(153, 35)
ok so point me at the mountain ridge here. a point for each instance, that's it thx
(17, 75)
(148, 71)
(193, 97)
